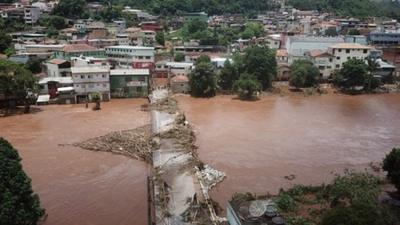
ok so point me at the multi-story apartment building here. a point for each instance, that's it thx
(91, 79)
(137, 57)
(344, 51)
(31, 14)
(384, 38)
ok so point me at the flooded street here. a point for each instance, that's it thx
(78, 186)
(258, 143)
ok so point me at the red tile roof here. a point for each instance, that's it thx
(79, 48)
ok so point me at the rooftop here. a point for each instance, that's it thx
(350, 46)
(89, 69)
(79, 48)
(121, 72)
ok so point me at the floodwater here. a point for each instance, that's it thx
(78, 186)
(258, 143)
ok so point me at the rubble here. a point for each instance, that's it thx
(136, 143)
(211, 176)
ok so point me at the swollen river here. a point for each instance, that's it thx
(258, 143)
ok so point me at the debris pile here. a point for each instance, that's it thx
(136, 143)
(168, 105)
(211, 176)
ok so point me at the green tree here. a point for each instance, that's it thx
(246, 86)
(16, 83)
(202, 80)
(110, 13)
(203, 59)
(179, 57)
(227, 76)
(34, 65)
(160, 38)
(354, 73)
(391, 164)
(73, 9)
(5, 41)
(304, 74)
(196, 25)
(18, 204)
(252, 29)
(353, 32)
(54, 21)
(331, 32)
(261, 62)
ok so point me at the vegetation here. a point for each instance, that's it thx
(202, 80)
(391, 164)
(331, 32)
(246, 86)
(355, 73)
(72, 9)
(304, 74)
(5, 42)
(16, 84)
(179, 57)
(160, 39)
(355, 8)
(260, 62)
(252, 29)
(353, 32)
(34, 65)
(96, 98)
(227, 76)
(18, 204)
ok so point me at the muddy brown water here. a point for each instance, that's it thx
(78, 186)
(258, 143)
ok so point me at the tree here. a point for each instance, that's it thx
(203, 59)
(246, 86)
(160, 38)
(34, 65)
(354, 73)
(261, 62)
(179, 57)
(96, 97)
(73, 9)
(16, 83)
(202, 80)
(353, 32)
(5, 41)
(196, 25)
(110, 13)
(252, 29)
(391, 164)
(331, 32)
(18, 204)
(227, 76)
(304, 74)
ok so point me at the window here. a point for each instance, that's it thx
(104, 76)
(140, 57)
(338, 58)
(337, 66)
(148, 57)
(340, 50)
(141, 78)
(128, 79)
(82, 76)
(321, 67)
(348, 57)
(365, 51)
(347, 51)
(90, 76)
(91, 85)
(139, 89)
(330, 59)
(104, 85)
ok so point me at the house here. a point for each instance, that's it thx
(360, 39)
(131, 56)
(344, 51)
(179, 84)
(281, 56)
(179, 68)
(49, 85)
(58, 68)
(297, 46)
(76, 50)
(129, 83)
(323, 61)
(31, 14)
(91, 79)
(381, 38)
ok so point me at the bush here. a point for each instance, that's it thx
(391, 164)
(286, 203)
(247, 86)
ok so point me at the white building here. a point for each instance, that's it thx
(297, 46)
(345, 51)
(91, 79)
(179, 68)
(131, 56)
(31, 14)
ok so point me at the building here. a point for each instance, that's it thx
(58, 68)
(137, 57)
(344, 51)
(324, 61)
(129, 83)
(31, 14)
(77, 50)
(384, 38)
(91, 79)
(179, 68)
(359, 39)
(297, 46)
(180, 84)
